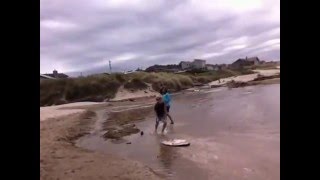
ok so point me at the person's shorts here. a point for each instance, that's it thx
(161, 118)
(168, 108)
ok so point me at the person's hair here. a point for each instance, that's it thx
(162, 90)
(158, 98)
(165, 90)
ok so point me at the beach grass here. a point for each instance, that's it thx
(97, 88)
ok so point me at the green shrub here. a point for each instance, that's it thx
(52, 91)
(120, 77)
(72, 90)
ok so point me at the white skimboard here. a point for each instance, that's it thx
(176, 142)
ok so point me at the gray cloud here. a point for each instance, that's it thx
(78, 35)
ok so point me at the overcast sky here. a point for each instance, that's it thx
(83, 35)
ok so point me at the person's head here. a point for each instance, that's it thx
(158, 99)
(162, 90)
(165, 91)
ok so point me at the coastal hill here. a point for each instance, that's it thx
(108, 87)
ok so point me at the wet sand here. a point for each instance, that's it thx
(61, 159)
(60, 111)
(234, 134)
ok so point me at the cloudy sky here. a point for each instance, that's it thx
(83, 35)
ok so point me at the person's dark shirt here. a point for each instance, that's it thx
(159, 108)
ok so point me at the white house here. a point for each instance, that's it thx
(255, 60)
(185, 64)
(199, 64)
(212, 67)
(196, 64)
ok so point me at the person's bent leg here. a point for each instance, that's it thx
(156, 126)
(168, 110)
(170, 118)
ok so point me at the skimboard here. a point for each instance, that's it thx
(176, 142)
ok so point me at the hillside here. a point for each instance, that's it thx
(98, 88)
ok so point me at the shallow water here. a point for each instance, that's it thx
(234, 134)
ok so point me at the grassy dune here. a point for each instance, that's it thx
(97, 88)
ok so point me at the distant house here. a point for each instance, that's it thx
(272, 63)
(185, 64)
(212, 67)
(199, 64)
(245, 62)
(57, 75)
(196, 64)
(262, 62)
(254, 60)
(223, 66)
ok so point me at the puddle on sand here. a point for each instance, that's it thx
(165, 161)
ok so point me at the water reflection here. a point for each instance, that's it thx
(166, 156)
(170, 129)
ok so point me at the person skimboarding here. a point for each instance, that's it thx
(167, 101)
(161, 113)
